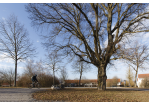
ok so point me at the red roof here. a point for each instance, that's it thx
(87, 81)
(143, 75)
(77, 81)
(108, 80)
(92, 80)
(71, 81)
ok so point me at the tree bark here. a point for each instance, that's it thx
(99, 79)
(102, 78)
(15, 73)
(81, 67)
(53, 78)
(136, 78)
(80, 78)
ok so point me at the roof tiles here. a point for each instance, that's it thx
(143, 75)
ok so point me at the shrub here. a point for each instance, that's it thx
(44, 79)
(145, 82)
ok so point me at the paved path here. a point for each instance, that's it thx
(18, 94)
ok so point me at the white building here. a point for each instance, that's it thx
(141, 78)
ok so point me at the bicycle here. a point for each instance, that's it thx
(36, 85)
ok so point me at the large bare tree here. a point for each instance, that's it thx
(90, 31)
(14, 41)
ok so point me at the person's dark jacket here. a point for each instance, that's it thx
(34, 79)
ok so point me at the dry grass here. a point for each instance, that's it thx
(92, 95)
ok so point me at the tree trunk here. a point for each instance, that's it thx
(136, 78)
(10, 83)
(99, 79)
(81, 72)
(80, 78)
(102, 78)
(53, 78)
(16, 59)
(15, 73)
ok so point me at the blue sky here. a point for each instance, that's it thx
(19, 10)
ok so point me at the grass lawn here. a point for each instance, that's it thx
(92, 95)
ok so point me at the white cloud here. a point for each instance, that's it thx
(37, 41)
(145, 36)
(9, 60)
(20, 67)
(5, 66)
(5, 59)
(3, 18)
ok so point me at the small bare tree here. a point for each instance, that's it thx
(64, 74)
(129, 76)
(29, 68)
(114, 81)
(14, 41)
(52, 63)
(80, 68)
(40, 67)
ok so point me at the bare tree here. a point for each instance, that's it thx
(40, 67)
(29, 68)
(80, 68)
(114, 81)
(14, 41)
(7, 75)
(32, 67)
(136, 56)
(90, 31)
(64, 74)
(52, 63)
(129, 75)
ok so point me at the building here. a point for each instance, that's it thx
(140, 79)
(83, 83)
(88, 83)
(5, 84)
